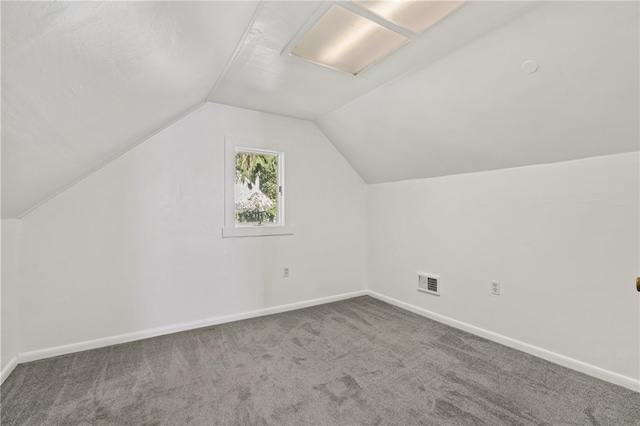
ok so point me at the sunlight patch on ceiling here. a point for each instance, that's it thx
(415, 16)
(347, 42)
(353, 38)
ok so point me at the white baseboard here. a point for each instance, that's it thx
(159, 331)
(13, 363)
(574, 364)
(600, 373)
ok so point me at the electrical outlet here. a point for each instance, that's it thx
(495, 288)
(285, 272)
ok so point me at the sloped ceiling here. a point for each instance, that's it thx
(265, 77)
(474, 109)
(84, 81)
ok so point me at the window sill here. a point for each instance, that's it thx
(255, 231)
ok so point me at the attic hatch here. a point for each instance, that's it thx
(344, 39)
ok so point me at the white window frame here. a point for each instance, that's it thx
(231, 229)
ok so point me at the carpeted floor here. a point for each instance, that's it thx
(359, 361)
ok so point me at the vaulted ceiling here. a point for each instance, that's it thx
(83, 82)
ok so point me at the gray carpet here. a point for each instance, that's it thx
(359, 361)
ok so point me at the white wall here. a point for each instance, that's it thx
(138, 244)
(10, 291)
(562, 239)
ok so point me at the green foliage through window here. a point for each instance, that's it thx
(256, 191)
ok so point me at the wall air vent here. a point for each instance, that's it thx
(429, 283)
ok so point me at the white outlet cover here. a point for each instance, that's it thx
(495, 288)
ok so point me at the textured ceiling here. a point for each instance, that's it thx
(83, 82)
(474, 109)
(265, 77)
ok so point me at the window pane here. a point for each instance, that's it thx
(256, 188)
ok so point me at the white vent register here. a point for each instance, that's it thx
(429, 283)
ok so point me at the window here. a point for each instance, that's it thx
(254, 188)
(257, 187)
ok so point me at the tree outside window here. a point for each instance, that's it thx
(256, 187)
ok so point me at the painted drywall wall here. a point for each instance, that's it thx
(562, 239)
(9, 291)
(138, 245)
